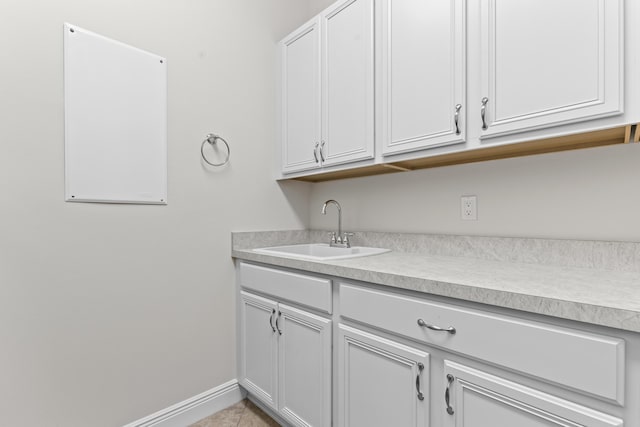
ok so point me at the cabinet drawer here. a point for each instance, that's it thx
(306, 290)
(583, 361)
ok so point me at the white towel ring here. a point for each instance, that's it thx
(213, 139)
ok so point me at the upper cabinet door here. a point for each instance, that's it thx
(301, 98)
(423, 74)
(347, 82)
(549, 62)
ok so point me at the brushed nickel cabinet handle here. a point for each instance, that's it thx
(420, 369)
(450, 379)
(277, 322)
(315, 152)
(424, 324)
(483, 113)
(273, 311)
(322, 151)
(457, 117)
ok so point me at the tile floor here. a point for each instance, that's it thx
(242, 414)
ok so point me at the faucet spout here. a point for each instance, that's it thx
(324, 212)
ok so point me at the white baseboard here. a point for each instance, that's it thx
(194, 409)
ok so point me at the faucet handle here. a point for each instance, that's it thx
(345, 238)
(333, 237)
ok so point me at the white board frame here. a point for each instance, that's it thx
(115, 99)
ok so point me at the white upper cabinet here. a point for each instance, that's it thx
(301, 98)
(548, 62)
(423, 74)
(347, 82)
(370, 82)
(328, 89)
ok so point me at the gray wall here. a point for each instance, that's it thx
(109, 313)
(586, 194)
(316, 6)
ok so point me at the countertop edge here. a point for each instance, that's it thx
(617, 318)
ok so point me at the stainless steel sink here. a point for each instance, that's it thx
(320, 251)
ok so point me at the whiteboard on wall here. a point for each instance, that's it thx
(115, 100)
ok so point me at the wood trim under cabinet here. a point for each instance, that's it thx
(599, 138)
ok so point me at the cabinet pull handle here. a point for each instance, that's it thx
(277, 324)
(456, 118)
(450, 379)
(315, 151)
(424, 324)
(273, 311)
(483, 113)
(420, 369)
(322, 151)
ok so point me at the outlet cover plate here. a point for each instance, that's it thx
(469, 208)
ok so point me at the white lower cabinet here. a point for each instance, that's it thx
(506, 341)
(381, 383)
(408, 360)
(285, 360)
(259, 354)
(378, 379)
(477, 399)
(304, 376)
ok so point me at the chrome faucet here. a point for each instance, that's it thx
(338, 239)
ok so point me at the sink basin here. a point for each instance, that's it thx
(320, 251)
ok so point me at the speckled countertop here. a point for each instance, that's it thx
(594, 282)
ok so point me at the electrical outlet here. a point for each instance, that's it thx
(469, 208)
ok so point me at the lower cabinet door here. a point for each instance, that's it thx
(304, 367)
(381, 383)
(473, 398)
(259, 347)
